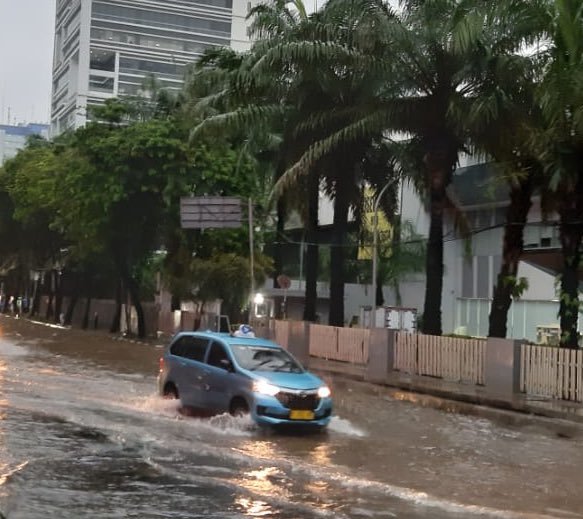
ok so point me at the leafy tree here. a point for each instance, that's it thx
(226, 276)
(27, 240)
(497, 115)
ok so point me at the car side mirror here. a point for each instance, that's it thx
(227, 365)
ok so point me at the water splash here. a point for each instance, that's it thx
(154, 404)
(345, 427)
(223, 424)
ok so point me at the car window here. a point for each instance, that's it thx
(217, 353)
(260, 358)
(193, 348)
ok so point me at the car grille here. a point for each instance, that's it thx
(299, 401)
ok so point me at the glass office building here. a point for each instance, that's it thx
(106, 48)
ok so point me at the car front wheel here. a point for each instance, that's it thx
(170, 392)
(239, 408)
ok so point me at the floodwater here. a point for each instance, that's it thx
(83, 434)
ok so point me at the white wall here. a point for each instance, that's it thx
(239, 36)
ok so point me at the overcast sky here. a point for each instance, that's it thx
(26, 55)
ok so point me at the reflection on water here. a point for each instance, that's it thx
(6, 472)
(266, 481)
(254, 508)
(320, 454)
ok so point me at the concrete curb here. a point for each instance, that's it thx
(519, 408)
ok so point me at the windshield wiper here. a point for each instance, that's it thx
(290, 364)
(262, 363)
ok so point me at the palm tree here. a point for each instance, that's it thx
(560, 146)
(253, 95)
(331, 53)
(438, 60)
(422, 74)
(498, 117)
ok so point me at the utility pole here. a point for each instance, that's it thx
(251, 259)
(375, 225)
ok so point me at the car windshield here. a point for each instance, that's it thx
(258, 358)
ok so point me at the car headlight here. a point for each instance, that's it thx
(265, 388)
(324, 392)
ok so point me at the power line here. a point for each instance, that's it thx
(473, 232)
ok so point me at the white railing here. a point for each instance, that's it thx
(323, 341)
(450, 358)
(343, 344)
(353, 345)
(551, 372)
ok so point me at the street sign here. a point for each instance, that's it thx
(210, 212)
(283, 281)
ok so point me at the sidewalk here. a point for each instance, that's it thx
(469, 394)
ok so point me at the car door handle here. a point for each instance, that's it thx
(206, 387)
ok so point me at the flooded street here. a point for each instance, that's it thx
(83, 434)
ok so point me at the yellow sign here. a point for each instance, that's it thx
(384, 228)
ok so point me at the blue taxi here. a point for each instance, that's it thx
(240, 374)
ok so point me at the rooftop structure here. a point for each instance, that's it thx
(14, 138)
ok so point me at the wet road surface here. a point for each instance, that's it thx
(83, 434)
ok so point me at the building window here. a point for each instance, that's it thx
(101, 84)
(102, 60)
(160, 19)
(468, 278)
(483, 277)
(141, 67)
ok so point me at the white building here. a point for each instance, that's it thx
(14, 138)
(106, 48)
(470, 267)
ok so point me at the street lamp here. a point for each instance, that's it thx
(375, 224)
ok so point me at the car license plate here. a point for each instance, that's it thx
(301, 415)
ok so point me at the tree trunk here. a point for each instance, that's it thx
(88, 293)
(135, 298)
(278, 253)
(571, 231)
(35, 304)
(116, 321)
(71, 308)
(130, 284)
(58, 297)
(434, 260)
(50, 310)
(85, 322)
(337, 253)
(312, 253)
(134, 294)
(379, 297)
(516, 217)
